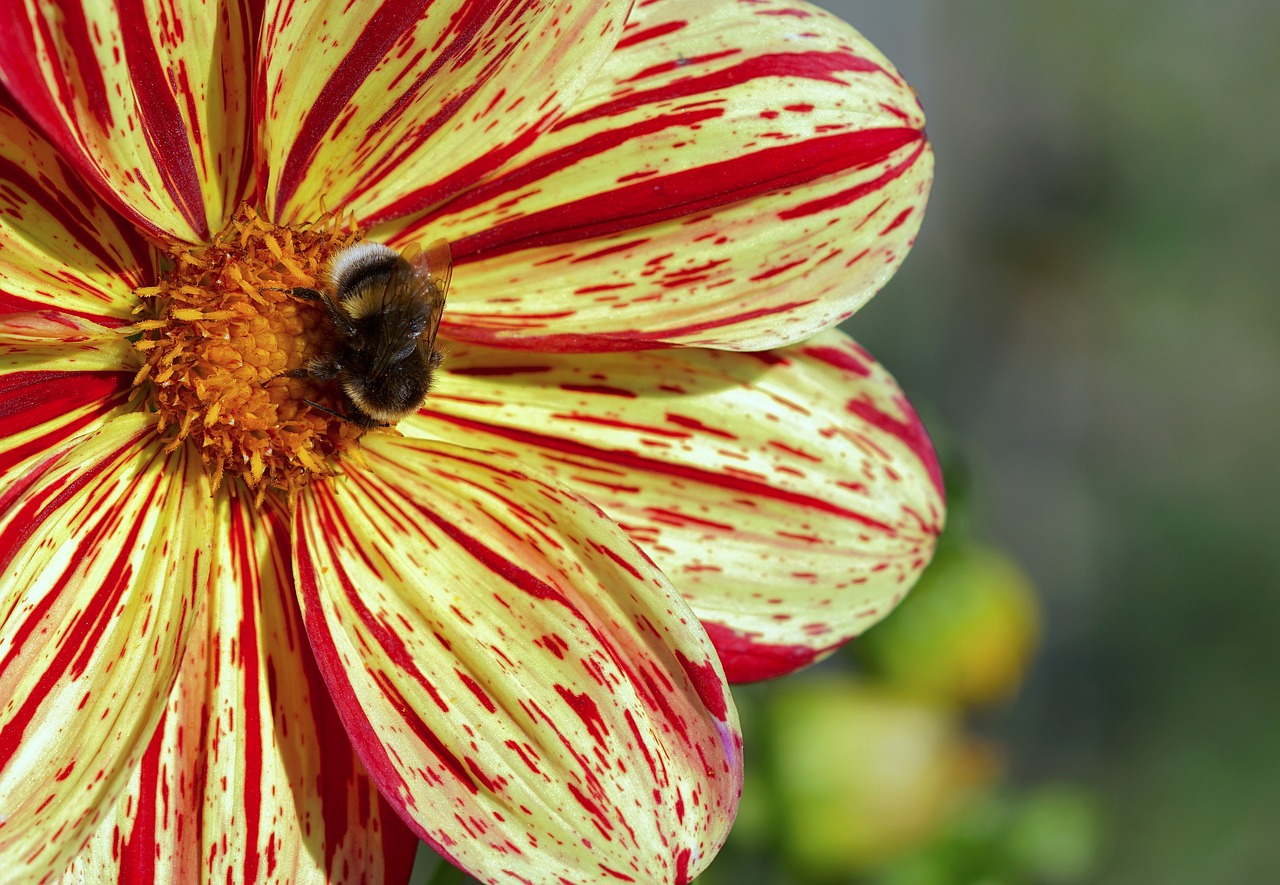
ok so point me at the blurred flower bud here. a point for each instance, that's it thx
(965, 633)
(863, 774)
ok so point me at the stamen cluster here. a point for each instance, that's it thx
(226, 326)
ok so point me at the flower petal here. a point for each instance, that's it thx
(792, 496)
(739, 176)
(60, 246)
(518, 678)
(233, 787)
(398, 108)
(148, 101)
(102, 570)
(60, 376)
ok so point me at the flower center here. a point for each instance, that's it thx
(226, 327)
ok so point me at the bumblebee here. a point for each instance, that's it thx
(384, 308)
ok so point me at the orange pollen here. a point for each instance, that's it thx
(226, 327)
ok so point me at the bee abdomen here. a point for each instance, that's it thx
(392, 397)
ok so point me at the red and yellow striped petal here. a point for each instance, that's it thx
(399, 105)
(104, 564)
(792, 496)
(60, 246)
(147, 101)
(60, 376)
(250, 777)
(739, 176)
(519, 679)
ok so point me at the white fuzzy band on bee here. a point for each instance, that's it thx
(360, 272)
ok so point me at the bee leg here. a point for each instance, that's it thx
(301, 372)
(316, 368)
(359, 420)
(336, 314)
(323, 368)
(326, 410)
(306, 293)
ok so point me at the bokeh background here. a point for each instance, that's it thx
(1089, 325)
(1084, 687)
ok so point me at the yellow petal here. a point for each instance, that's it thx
(60, 376)
(792, 496)
(520, 681)
(738, 176)
(147, 102)
(103, 567)
(60, 246)
(250, 777)
(403, 105)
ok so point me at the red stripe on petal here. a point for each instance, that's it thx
(909, 429)
(16, 304)
(476, 170)
(138, 848)
(501, 370)
(689, 192)
(823, 66)
(853, 194)
(162, 122)
(75, 30)
(748, 660)
(39, 506)
(526, 581)
(250, 730)
(651, 33)
(607, 342)
(707, 683)
(28, 93)
(332, 703)
(610, 342)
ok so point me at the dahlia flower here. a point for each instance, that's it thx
(242, 639)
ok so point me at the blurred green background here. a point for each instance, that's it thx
(1089, 324)
(1083, 689)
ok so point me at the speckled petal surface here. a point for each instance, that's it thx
(792, 496)
(519, 680)
(103, 568)
(60, 246)
(148, 101)
(738, 176)
(250, 777)
(399, 107)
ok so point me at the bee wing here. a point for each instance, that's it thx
(435, 264)
(413, 301)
